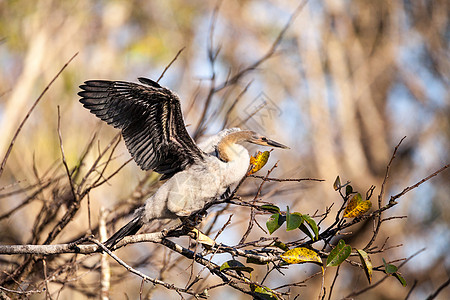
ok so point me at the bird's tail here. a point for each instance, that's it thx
(131, 228)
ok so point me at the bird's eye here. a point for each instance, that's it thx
(264, 139)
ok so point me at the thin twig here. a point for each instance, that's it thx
(284, 179)
(439, 289)
(136, 272)
(170, 64)
(372, 286)
(380, 196)
(66, 167)
(334, 281)
(8, 152)
(409, 188)
(252, 213)
(26, 293)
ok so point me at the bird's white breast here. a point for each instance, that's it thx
(189, 190)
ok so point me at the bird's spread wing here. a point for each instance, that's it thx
(150, 119)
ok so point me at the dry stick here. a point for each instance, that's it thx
(96, 162)
(28, 260)
(252, 214)
(47, 292)
(223, 227)
(136, 272)
(239, 97)
(380, 196)
(214, 268)
(63, 156)
(105, 271)
(216, 217)
(235, 78)
(108, 160)
(170, 64)
(26, 201)
(76, 170)
(76, 197)
(212, 56)
(409, 188)
(361, 291)
(300, 283)
(257, 110)
(411, 289)
(8, 152)
(19, 191)
(440, 288)
(331, 231)
(26, 293)
(112, 174)
(284, 179)
(334, 281)
(269, 53)
(244, 253)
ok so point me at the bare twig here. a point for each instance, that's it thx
(26, 293)
(170, 64)
(373, 285)
(284, 179)
(409, 188)
(66, 167)
(105, 269)
(252, 213)
(380, 196)
(438, 290)
(8, 152)
(334, 281)
(138, 273)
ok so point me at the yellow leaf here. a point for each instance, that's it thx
(367, 264)
(202, 239)
(300, 255)
(356, 206)
(259, 161)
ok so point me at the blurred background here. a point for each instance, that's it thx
(348, 80)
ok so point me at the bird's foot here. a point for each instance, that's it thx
(194, 219)
(226, 195)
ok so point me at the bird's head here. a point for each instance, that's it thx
(258, 139)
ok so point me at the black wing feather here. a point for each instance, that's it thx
(151, 121)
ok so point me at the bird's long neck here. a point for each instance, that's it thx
(228, 148)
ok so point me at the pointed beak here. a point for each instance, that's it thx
(276, 144)
(267, 142)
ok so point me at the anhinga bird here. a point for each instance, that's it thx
(152, 125)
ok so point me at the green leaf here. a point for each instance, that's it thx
(348, 190)
(270, 208)
(263, 292)
(388, 268)
(393, 271)
(235, 265)
(338, 254)
(313, 226)
(300, 255)
(281, 245)
(367, 264)
(337, 184)
(306, 231)
(293, 221)
(274, 222)
(400, 278)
